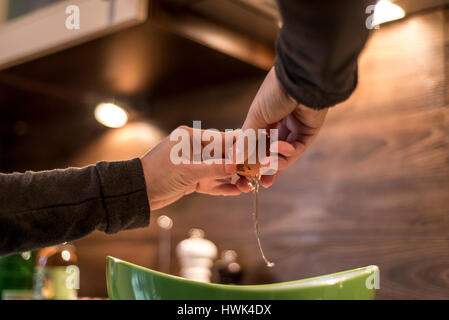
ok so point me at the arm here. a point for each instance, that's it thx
(315, 68)
(39, 209)
(318, 47)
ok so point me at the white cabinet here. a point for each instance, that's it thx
(50, 28)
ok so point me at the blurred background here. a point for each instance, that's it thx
(373, 188)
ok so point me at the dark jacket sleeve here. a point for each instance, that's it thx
(39, 209)
(318, 47)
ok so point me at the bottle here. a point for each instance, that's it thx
(56, 275)
(228, 270)
(196, 256)
(16, 276)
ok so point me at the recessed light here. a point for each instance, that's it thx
(111, 115)
(386, 11)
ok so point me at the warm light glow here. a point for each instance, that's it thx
(111, 115)
(386, 11)
(65, 254)
(131, 141)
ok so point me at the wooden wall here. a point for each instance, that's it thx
(373, 189)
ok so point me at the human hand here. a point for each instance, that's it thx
(167, 182)
(298, 125)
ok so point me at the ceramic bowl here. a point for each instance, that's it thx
(127, 281)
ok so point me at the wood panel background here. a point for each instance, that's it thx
(373, 188)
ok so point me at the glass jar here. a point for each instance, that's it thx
(56, 275)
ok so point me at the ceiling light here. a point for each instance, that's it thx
(111, 115)
(386, 11)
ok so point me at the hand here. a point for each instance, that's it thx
(298, 125)
(167, 182)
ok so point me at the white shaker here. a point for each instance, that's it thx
(196, 255)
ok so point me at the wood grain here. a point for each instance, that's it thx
(373, 188)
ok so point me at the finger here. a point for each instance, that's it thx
(232, 150)
(284, 148)
(243, 185)
(270, 105)
(267, 181)
(283, 130)
(225, 189)
(283, 162)
(247, 147)
(254, 119)
(223, 140)
(212, 170)
(293, 136)
(299, 149)
(229, 138)
(299, 131)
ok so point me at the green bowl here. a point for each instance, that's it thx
(127, 281)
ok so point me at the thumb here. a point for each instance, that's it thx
(254, 119)
(270, 105)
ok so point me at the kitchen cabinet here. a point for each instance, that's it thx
(33, 29)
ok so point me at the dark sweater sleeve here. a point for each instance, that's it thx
(318, 47)
(39, 209)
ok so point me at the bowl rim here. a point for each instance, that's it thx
(327, 279)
